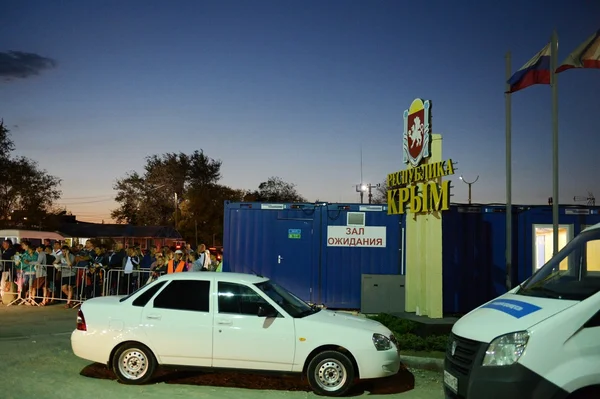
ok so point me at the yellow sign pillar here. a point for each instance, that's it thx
(423, 252)
(420, 193)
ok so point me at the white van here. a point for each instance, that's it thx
(541, 340)
(35, 236)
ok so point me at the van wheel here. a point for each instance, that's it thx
(330, 373)
(133, 363)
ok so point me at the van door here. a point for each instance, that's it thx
(245, 341)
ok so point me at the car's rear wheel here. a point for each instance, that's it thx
(330, 373)
(133, 363)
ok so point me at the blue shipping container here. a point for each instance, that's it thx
(342, 267)
(308, 249)
(273, 240)
(289, 243)
(473, 255)
(535, 229)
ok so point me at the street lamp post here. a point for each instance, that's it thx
(361, 188)
(469, 184)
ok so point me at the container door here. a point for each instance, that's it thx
(293, 257)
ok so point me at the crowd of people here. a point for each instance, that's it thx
(59, 272)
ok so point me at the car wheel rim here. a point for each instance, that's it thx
(133, 364)
(330, 374)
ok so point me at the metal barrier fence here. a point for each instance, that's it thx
(70, 284)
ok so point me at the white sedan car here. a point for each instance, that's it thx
(231, 321)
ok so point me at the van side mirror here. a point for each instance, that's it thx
(267, 311)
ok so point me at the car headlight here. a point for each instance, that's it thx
(506, 349)
(381, 342)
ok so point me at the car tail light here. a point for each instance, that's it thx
(81, 321)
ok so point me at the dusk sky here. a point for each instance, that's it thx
(294, 89)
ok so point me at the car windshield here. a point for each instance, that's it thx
(573, 274)
(289, 302)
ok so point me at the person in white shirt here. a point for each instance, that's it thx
(40, 275)
(203, 257)
(66, 263)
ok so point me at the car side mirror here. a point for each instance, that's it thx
(267, 311)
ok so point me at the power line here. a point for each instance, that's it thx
(92, 196)
(85, 202)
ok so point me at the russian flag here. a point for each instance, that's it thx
(587, 55)
(535, 71)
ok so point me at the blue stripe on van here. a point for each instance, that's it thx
(514, 308)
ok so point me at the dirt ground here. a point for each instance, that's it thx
(36, 361)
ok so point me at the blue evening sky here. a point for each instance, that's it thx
(294, 89)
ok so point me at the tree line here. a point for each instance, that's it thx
(184, 191)
(174, 189)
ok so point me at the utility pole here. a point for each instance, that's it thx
(361, 188)
(176, 209)
(470, 184)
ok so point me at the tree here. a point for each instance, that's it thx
(380, 193)
(275, 190)
(24, 187)
(176, 190)
(203, 213)
(153, 198)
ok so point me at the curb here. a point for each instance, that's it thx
(425, 363)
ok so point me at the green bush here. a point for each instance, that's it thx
(396, 324)
(404, 330)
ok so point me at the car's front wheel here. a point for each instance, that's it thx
(133, 363)
(330, 373)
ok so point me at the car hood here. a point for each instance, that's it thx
(506, 314)
(347, 320)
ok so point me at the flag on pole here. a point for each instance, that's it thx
(535, 71)
(587, 55)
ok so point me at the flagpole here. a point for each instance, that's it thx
(554, 84)
(508, 176)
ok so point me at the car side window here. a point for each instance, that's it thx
(190, 295)
(145, 296)
(239, 299)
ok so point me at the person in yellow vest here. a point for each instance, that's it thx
(176, 265)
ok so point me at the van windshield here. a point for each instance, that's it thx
(573, 274)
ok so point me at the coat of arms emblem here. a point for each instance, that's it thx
(417, 132)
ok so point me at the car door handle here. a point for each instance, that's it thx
(224, 322)
(154, 316)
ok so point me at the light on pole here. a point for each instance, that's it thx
(362, 188)
(469, 184)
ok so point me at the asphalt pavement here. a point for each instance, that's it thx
(37, 362)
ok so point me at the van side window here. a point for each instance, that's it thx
(239, 299)
(193, 295)
(593, 257)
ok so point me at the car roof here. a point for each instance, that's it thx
(220, 276)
